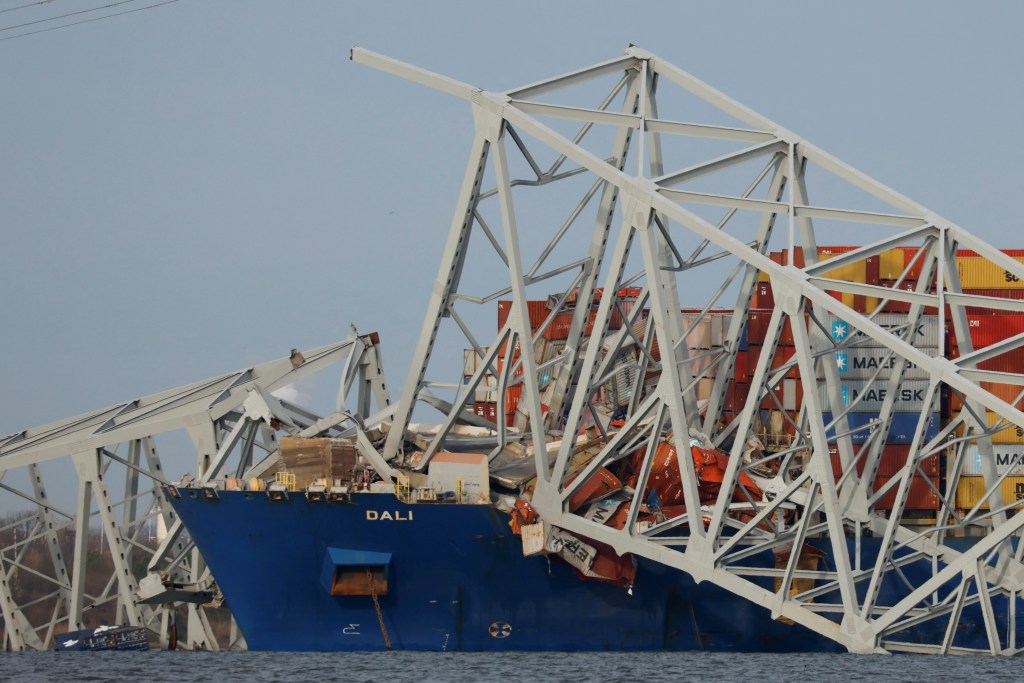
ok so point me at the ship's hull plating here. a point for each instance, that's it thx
(457, 580)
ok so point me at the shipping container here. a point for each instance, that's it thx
(864, 362)
(783, 354)
(757, 328)
(921, 496)
(970, 491)
(858, 271)
(1006, 392)
(901, 431)
(488, 411)
(925, 334)
(977, 272)
(537, 311)
(1007, 458)
(486, 390)
(910, 395)
(892, 460)
(788, 392)
(512, 396)
(763, 297)
(624, 382)
(986, 330)
(1012, 294)
(892, 263)
(1010, 433)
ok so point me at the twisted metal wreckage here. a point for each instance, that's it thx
(666, 218)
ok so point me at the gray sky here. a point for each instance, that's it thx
(195, 188)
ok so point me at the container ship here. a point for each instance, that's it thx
(446, 560)
(829, 461)
(679, 420)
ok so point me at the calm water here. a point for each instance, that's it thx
(180, 667)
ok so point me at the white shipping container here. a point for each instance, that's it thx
(486, 391)
(1008, 458)
(910, 395)
(471, 360)
(700, 336)
(924, 337)
(863, 362)
(624, 382)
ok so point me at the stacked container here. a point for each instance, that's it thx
(1008, 442)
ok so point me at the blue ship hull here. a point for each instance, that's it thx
(457, 580)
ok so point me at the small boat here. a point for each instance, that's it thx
(104, 638)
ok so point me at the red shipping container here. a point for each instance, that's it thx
(488, 411)
(741, 369)
(921, 495)
(1014, 294)
(788, 392)
(757, 328)
(1006, 392)
(536, 310)
(740, 392)
(512, 396)
(986, 330)
(559, 327)
(894, 457)
(783, 354)
(763, 297)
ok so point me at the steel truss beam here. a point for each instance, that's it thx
(643, 222)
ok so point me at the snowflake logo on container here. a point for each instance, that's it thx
(841, 362)
(839, 330)
(846, 395)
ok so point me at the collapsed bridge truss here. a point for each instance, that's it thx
(676, 193)
(104, 560)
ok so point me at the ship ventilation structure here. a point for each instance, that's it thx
(632, 189)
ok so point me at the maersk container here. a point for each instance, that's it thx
(970, 491)
(1007, 458)
(925, 335)
(910, 395)
(858, 363)
(901, 430)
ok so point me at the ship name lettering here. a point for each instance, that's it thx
(389, 516)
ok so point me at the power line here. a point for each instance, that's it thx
(88, 21)
(31, 4)
(69, 14)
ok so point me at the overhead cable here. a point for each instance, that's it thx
(87, 21)
(31, 4)
(69, 14)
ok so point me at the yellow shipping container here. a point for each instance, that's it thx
(1009, 434)
(891, 264)
(854, 272)
(969, 490)
(977, 272)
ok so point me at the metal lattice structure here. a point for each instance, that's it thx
(231, 421)
(634, 174)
